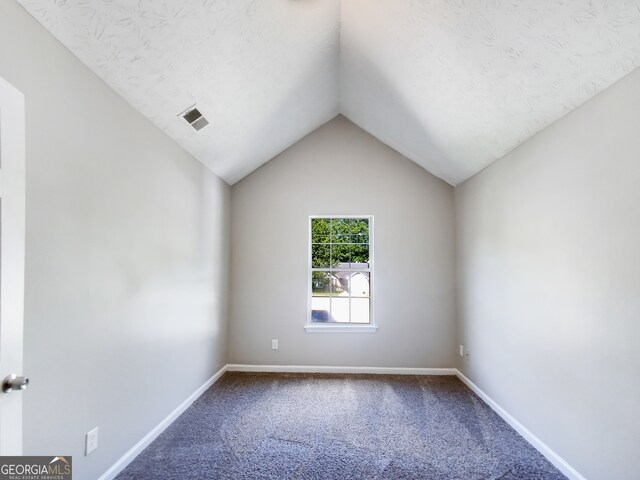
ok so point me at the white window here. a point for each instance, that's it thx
(340, 273)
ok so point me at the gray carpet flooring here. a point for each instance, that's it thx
(299, 426)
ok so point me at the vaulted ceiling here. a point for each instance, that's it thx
(451, 84)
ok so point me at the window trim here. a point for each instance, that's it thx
(370, 327)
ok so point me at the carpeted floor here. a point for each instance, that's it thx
(298, 426)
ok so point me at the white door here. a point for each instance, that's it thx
(12, 210)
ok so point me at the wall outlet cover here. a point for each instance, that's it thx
(91, 441)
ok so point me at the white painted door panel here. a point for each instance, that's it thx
(12, 250)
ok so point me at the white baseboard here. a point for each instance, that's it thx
(128, 457)
(233, 367)
(538, 444)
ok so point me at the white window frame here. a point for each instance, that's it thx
(342, 327)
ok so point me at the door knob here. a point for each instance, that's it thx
(13, 382)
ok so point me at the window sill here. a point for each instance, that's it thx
(340, 328)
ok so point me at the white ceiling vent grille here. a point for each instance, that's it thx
(194, 118)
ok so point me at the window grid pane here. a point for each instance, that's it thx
(341, 270)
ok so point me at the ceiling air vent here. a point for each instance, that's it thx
(194, 118)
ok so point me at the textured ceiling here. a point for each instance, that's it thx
(455, 84)
(264, 73)
(451, 84)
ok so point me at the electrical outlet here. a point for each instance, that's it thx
(274, 344)
(462, 350)
(91, 441)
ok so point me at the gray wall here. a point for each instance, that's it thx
(126, 251)
(340, 169)
(548, 245)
